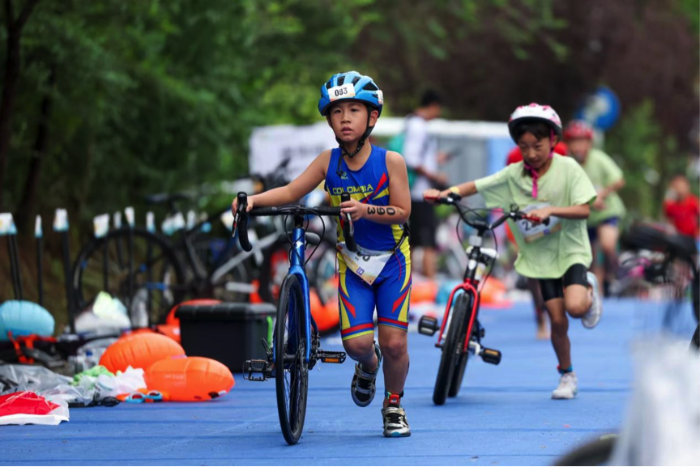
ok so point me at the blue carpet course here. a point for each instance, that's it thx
(502, 416)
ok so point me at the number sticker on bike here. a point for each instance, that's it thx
(337, 92)
(365, 263)
(532, 231)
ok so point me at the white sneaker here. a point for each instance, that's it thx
(592, 317)
(568, 386)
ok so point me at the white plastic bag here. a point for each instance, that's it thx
(123, 382)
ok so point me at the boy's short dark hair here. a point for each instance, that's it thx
(430, 97)
(538, 129)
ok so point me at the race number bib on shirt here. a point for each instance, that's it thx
(337, 92)
(532, 231)
(367, 264)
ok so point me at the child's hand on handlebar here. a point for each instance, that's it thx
(541, 214)
(234, 205)
(431, 195)
(353, 207)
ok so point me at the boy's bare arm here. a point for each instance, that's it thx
(399, 209)
(314, 174)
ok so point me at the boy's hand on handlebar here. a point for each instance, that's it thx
(431, 195)
(353, 207)
(542, 214)
(234, 205)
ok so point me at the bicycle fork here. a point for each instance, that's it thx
(428, 326)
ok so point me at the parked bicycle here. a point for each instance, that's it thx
(296, 341)
(461, 332)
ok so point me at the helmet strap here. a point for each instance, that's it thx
(360, 145)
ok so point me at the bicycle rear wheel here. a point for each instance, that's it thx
(456, 383)
(451, 350)
(138, 267)
(291, 368)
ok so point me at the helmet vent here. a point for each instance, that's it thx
(355, 80)
(341, 80)
(370, 87)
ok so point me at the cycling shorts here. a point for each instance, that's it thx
(390, 294)
(554, 288)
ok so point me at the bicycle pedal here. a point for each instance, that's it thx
(331, 357)
(257, 370)
(491, 356)
(428, 326)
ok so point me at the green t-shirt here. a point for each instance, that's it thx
(603, 172)
(546, 252)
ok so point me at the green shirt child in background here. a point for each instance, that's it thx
(547, 186)
(607, 209)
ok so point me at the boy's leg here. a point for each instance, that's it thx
(552, 293)
(393, 291)
(582, 295)
(559, 324)
(356, 305)
(394, 345)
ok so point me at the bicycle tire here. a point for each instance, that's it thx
(85, 288)
(456, 383)
(451, 349)
(293, 412)
(596, 452)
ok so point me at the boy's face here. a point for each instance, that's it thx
(579, 148)
(349, 120)
(535, 151)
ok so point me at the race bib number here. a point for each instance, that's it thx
(337, 92)
(532, 231)
(365, 263)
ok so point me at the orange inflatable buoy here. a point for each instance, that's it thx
(171, 319)
(139, 350)
(170, 330)
(190, 379)
(423, 292)
(326, 317)
(493, 293)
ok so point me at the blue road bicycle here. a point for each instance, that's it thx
(296, 342)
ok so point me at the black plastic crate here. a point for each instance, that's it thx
(230, 333)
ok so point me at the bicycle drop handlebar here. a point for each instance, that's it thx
(515, 214)
(240, 221)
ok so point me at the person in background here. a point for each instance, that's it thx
(422, 158)
(608, 209)
(682, 208)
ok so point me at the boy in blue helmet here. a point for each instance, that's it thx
(380, 205)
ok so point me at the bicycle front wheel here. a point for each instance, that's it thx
(456, 383)
(451, 350)
(291, 368)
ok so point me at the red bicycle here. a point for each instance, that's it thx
(461, 333)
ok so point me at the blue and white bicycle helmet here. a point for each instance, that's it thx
(350, 86)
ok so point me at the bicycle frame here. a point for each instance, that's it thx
(296, 267)
(470, 285)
